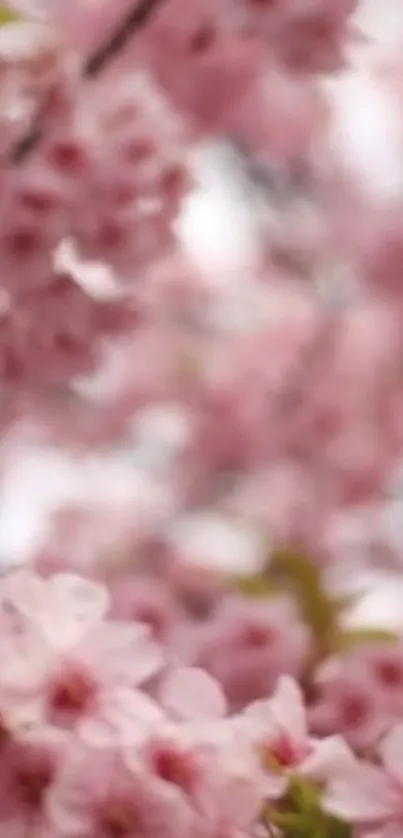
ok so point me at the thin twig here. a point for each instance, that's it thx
(23, 147)
(135, 19)
(127, 28)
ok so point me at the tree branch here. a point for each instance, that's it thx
(23, 147)
(133, 21)
(127, 28)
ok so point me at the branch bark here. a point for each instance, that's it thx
(127, 28)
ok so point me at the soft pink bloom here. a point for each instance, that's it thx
(252, 396)
(215, 59)
(146, 600)
(29, 766)
(73, 652)
(37, 75)
(216, 768)
(247, 645)
(53, 333)
(280, 116)
(124, 717)
(359, 693)
(61, 609)
(190, 693)
(369, 794)
(272, 497)
(185, 777)
(116, 653)
(350, 705)
(381, 666)
(98, 796)
(305, 37)
(279, 727)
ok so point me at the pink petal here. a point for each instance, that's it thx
(363, 794)
(125, 653)
(31, 8)
(391, 751)
(391, 830)
(329, 758)
(74, 605)
(22, 591)
(191, 693)
(287, 708)
(124, 715)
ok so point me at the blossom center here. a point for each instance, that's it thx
(257, 637)
(354, 711)
(72, 693)
(118, 821)
(174, 766)
(32, 784)
(390, 673)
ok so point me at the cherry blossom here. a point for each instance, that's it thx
(279, 726)
(201, 339)
(73, 652)
(97, 794)
(246, 646)
(358, 694)
(371, 794)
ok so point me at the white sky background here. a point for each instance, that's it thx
(41, 480)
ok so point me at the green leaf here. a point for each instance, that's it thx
(345, 602)
(351, 638)
(290, 823)
(256, 587)
(303, 795)
(7, 15)
(294, 571)
(299, 814)
(338, 829)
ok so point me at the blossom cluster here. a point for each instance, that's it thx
(278, 364)
(125, 713)
(177, 658)
(110, 727)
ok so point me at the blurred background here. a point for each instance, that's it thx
(39, 480)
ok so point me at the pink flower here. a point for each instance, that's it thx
(54, 333)
(185, 778)
(216, 60)
(191, 694)
(61, 609)
(273, 498)
(369, 793)
(247, 645)
(188, 700)
(98, 796)
(356, 695)
(29, 766)
(279, 727)
(215, 768)
(116, 653)
(74, 653)
(146, 600)
(123, 717)
(305, 37)
(380, 665)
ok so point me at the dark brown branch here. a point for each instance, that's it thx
(127, 28)
(23, 147)
(134, 20)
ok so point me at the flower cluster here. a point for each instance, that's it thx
(111, 727)
(125, 712)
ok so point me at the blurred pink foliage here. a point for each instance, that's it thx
(177, 658)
